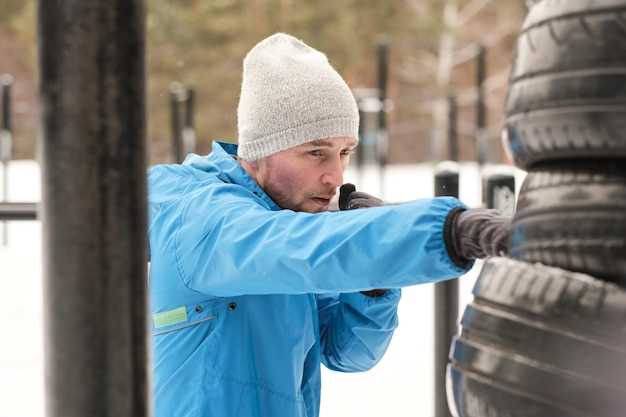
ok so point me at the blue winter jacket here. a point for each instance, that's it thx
(248, 299)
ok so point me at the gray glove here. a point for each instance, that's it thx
(350, 199)
(477, 233)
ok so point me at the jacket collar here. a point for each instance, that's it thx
(223, 160)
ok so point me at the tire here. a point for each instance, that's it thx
(566, 96)
(539, 341)
(573, 217)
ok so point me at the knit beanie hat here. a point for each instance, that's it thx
(291, 95)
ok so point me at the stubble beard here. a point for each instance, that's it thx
(284, 201)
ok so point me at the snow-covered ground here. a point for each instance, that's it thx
(21, 309)
(400, 385)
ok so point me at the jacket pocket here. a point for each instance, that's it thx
(182, 317)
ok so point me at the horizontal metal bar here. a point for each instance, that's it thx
(19, 211)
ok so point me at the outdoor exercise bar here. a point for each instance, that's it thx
(92, 65)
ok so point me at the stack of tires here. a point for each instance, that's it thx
(546, 333)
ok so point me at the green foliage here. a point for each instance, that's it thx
(9, 9)
(202, 43)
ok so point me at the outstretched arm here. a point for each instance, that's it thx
(228, 243)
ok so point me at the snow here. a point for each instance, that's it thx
(21, 304)
(400, 385)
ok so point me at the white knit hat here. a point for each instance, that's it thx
(291, 95)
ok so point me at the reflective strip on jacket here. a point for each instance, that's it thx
(248, 299)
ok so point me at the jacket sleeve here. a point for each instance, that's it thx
(236, 246)
(355, 330)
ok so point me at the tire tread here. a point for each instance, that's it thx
(563, 102)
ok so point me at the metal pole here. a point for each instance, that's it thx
(446, 298)
(6, 145)
(176, 129)
(481, 108)
(92, 65)
(7, 82)
(499, 192)
(383, 137)
(453, 135)
(18, 211)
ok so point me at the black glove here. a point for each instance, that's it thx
(476, 233)
(350, 199)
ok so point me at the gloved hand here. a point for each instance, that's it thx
(350, 199)
(477, 233)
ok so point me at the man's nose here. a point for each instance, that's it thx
(333, 176)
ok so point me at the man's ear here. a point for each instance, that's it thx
(254, 165)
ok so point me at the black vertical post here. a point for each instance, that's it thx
(453, 134)
(383, 137)
(499, 192)
(446, 299)
(7, 83)
(91, 60)
(6, 145)
(481, 109)
(175, 120)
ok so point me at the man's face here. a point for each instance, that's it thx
(306, 177)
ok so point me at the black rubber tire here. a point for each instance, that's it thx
(539, 341)
(574, 217)
(567, 90)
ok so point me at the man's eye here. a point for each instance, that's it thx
(316, 152)
(347, 152)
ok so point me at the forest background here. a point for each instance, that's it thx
(201, 44)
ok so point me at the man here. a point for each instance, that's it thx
(253, 282)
